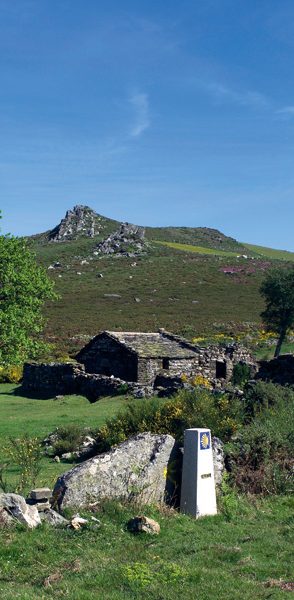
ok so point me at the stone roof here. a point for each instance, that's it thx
(150, 345)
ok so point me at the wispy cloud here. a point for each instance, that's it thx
(286, 110)
(140, 103)
(222, 93)
(247, 98)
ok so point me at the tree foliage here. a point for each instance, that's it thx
(24, 287)
(278, 292)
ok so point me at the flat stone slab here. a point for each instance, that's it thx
(42, 506)
(41, 494)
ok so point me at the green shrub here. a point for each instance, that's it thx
(229, 501)
(241, 374)
(261, 395)
(261, 456)
(123, 388)
(69, 439)
(196, 408)
(4, 487)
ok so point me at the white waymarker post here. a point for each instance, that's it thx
(198, 497)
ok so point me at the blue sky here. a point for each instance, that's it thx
(158, 113)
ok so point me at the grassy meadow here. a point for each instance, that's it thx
(21, 416)
(244, 552)
(198, 249)
(271, 253)
(248, 555)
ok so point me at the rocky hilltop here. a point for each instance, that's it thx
(79, 221)
(118, 239)
(128, 240)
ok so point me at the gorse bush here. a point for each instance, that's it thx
(25, 454)
(196, 381)
(11, 374)
(196, 408)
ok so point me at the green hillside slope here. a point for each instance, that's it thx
(189, 288)
(271, 252)
(197, 249)
(195, 236)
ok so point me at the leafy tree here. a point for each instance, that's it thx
(278, 292)
(24, 287)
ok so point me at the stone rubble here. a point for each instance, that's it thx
(143, 524)
(129, 241)
(40, 498)
(77, 522)
(17, 508)
(53, 518)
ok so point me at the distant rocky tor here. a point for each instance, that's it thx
(122, 239)
(81, 221)
(128, 240)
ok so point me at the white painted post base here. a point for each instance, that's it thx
(198, 497)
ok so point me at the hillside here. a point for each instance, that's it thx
(196, 236)
(189, 280)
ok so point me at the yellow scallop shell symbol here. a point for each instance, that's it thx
(204, 440)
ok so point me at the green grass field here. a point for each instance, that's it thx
(37, 418)
(198, 249)
(209, 558)
(238, 554)
(271, 253)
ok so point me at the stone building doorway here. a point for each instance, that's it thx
(165, 364)
(221, 369)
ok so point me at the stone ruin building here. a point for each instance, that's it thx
(140, 361)
(137, 356)
(140, 357)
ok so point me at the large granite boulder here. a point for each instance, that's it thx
(137, 468)
(16, 506)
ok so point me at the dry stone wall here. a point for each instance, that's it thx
(46, 380)
(278, 370)
(50, 379)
